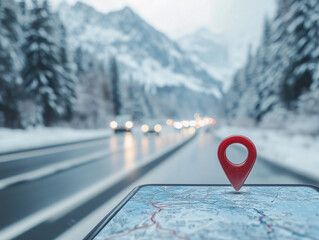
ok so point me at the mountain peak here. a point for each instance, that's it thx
(127, 12)
(136, 43)
(207, 34)
(204, 30)
(82, 5)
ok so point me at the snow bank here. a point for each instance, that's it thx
(14, 140)
(299, 153)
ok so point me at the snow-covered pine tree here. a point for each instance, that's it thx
(93, 103)
(10, 63)
(23, 7)
(301, 48)
(78, 59)
(249, 98)
(264, 80)
(241, 98)
(115, 87)
(68, 78)
(42, 71)
(135, 100)
(234, 94)
(148, 103)
(287, 63)
(275, 61)
(231, 97)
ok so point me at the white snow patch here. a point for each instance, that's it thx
(296, 152)
(128, 61)
(14, 140)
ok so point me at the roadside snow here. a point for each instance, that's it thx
(299, 153)
(14, 140)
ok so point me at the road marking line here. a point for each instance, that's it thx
(51, 169)
(49, 150)
(67, 205)
(59, 208)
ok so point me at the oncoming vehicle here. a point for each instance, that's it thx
(122, 123)
(151, 126)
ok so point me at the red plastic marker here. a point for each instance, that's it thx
(237, 173)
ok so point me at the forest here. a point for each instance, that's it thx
(41, 80)
(278, 86)
(49, 79)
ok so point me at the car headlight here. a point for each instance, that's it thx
(113, 125)
(169, 122)
(192, 123)
(185, 123)
(157, 128)
(145, 128)
(129, 124)
(178, 125)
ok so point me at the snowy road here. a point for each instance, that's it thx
(57, 189)
(196, 163)
(55, 178)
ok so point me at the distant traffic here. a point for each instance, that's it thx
(124, 123)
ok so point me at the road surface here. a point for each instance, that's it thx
(34, 183)
(196, 163)
(50, 191)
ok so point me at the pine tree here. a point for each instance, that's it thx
(23, 7)
(263, 84)
(93, 91)
(301, 49)
(135, 100)
(78, 59)
(249, 96)
(10, 62)
(286, 69)
(67, 95)
(42, 73)
(115, 87)
(234, 94)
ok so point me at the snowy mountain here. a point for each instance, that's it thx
(207, 46)
(210, 50)
(143, 53)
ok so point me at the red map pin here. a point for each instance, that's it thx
(237, 173)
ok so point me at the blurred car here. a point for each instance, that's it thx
(151, 126)
(122, 123)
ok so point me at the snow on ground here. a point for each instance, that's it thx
(13, 140)
(299, 153)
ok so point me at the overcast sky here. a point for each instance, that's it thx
(239, 21)
(176, 17)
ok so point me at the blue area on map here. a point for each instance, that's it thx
(217, 212)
